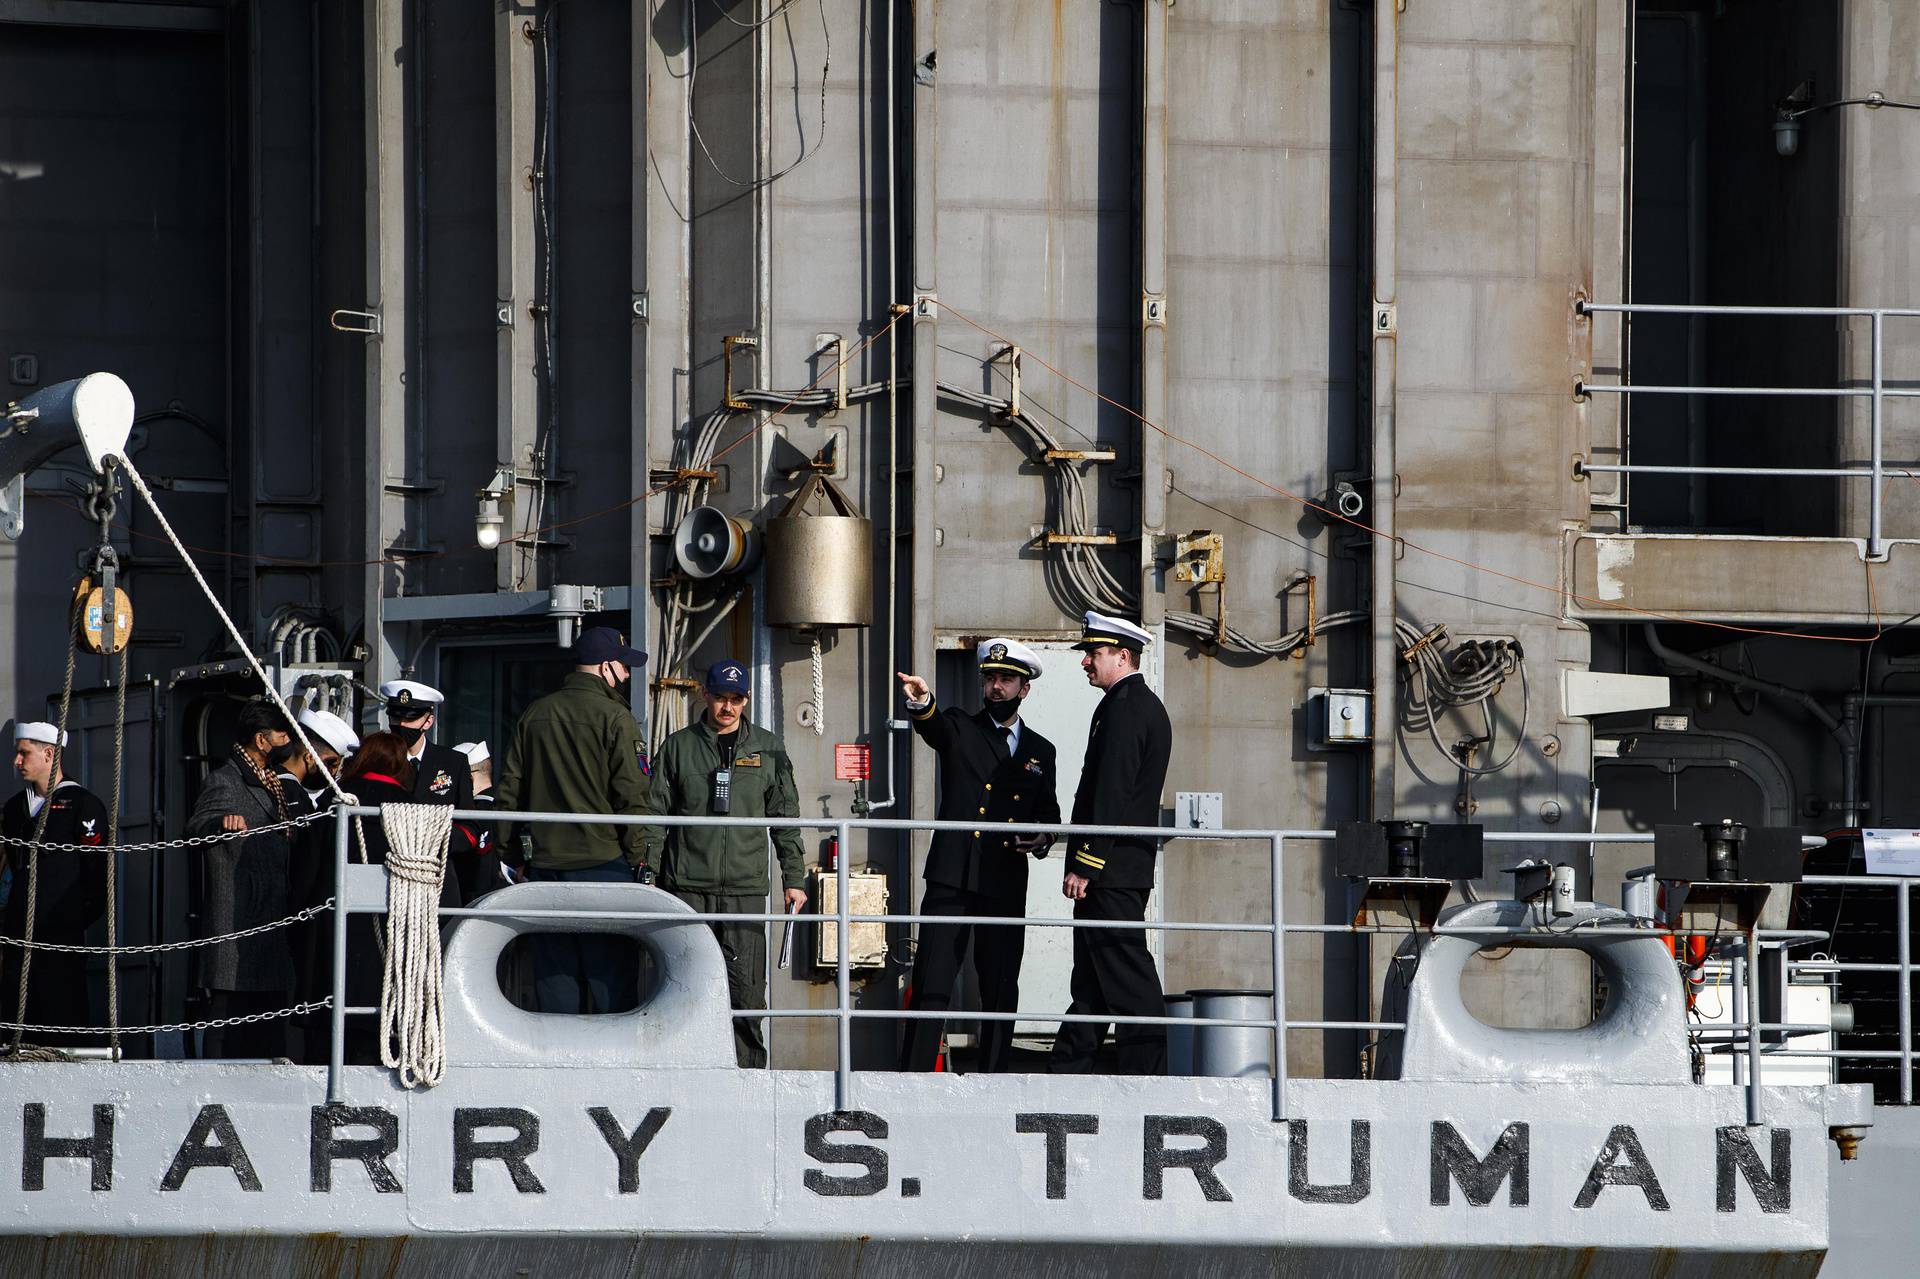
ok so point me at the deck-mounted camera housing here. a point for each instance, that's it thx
(1720, 874)
(1406, 868)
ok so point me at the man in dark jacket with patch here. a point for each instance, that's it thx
(994, 769)
(577, 750)
(70, 893)
(724, 766)
(1109, 877)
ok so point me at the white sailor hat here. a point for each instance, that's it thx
(409, 699)
(35, 730)
(1118, 631)
(1010, 655)
(476, 753)
(331, 729)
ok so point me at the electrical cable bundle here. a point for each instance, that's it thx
(1470, 674)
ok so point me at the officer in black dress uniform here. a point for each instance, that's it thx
(70, 896)
(993, 769)
(1110, 877)
(441, 775)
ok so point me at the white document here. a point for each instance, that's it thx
(1892, 852)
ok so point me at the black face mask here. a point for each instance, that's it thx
(280, 754)
(409, 733)
(1003, 711)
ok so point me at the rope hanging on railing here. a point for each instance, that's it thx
(413, 1038)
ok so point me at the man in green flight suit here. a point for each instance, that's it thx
(723, 766)
(577, 750)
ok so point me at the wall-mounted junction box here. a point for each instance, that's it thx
(1339, 717)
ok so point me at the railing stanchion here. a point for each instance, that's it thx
(1903, 920)
(843, 1056)
(337, 1012)
(1874, 511)
(1754, 1116)
(1279, 985)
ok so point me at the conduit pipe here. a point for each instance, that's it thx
(1386, 663)
(926, 347)
(1153, 300)
(889, 744)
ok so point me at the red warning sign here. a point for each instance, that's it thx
(852, 761)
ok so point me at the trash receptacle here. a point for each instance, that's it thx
(1232, 1052)
(1179, 1038)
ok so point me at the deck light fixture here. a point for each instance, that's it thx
(1788, 111)
(495, 509)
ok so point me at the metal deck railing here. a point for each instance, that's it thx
(1876, 392)
(1746, 1034)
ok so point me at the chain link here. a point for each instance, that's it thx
(156, 948)
(191, 841)
(217, 1023)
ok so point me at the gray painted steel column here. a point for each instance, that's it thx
(337, 1014)
(386, 370)
(639, 388)
(843, 1039)
(1386, 102)
(926, 355)
(1755, 1117)
(516, 398)
(1153, 299)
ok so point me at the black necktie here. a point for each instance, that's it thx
(1009, 742)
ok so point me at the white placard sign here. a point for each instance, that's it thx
(1892, 852)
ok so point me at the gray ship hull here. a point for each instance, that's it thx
(172, 1167)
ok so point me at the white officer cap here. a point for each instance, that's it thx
(409, 699)
(1118, 631)
(476, 753)
(1010, 655)
(331, 729)
(35, 730)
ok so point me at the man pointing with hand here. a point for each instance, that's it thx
(994, 769)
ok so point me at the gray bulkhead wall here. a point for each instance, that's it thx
(1267, 179)
(1879, 203)
(823, 229)
(1508, 200)
(1038, 148)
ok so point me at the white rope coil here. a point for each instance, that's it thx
(413, 1030)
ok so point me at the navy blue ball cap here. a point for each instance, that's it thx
(599, 644)
(728, 676)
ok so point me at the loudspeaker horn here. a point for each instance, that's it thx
(709, 542)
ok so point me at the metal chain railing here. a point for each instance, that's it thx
(166, 1028)
(163, 947)
(167, 845)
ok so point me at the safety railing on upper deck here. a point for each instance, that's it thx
(1876, 392)
(1746, 1033)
